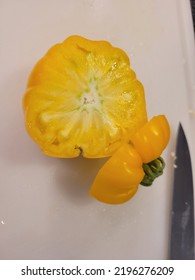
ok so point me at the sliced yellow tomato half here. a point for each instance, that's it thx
(82, 98)
(133, 163)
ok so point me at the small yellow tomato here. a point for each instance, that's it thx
(119, 178)
(151, 139)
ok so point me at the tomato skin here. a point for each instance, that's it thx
(119, 178)
(152, 138)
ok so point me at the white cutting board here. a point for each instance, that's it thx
(45, 211)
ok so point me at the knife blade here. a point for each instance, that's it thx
(182, 217)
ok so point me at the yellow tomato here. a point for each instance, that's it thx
(119, 178)
(134, 163)
(151, 139)
(82, 98)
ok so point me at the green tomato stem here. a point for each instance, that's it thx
(152, 170)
